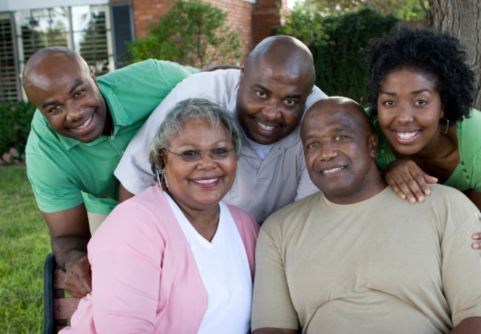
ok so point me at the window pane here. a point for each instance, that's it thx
(8, 75)
(80, 18)
(59, 20)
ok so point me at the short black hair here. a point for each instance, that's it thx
(438, 56)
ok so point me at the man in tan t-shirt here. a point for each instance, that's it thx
(357, 259)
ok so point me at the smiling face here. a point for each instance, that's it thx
(68, 95)
(339, 148)
(409, 109)
(271, 102)
(201, 184)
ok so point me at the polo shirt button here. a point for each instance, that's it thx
(462, 162)
(382, 151)
(112, 137)
(467, 177)
(464, 170)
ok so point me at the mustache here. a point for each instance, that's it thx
(266, 121)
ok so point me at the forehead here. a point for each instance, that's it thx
(199, 132)
(329, 119)
(54, 73)
(408, 80)
(290, 76)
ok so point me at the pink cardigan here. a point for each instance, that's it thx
(144, 275)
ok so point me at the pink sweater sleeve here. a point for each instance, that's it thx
(126, 255)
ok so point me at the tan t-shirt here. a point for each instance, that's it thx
(378, 266)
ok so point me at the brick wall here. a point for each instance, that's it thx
(266, 17)
(257, 21)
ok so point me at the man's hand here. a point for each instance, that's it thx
(78, 281)
(70, 233)
(124, 194)
(408, 180)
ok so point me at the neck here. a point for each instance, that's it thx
(109, 123)
(204, 221)
(372, 184)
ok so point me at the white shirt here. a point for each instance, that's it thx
(224, 269)
(261, 186)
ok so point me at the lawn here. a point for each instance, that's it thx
(24, 244)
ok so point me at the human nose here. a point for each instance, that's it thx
(405, 114)
(206, 161)
(272, 111)
(327, 151)
(73, 112)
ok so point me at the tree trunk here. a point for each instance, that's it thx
(461, 19)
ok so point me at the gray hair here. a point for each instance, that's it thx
(184, 111)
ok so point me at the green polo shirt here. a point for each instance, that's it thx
(65, 172)
(467, 174)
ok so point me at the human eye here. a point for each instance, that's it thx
(312, 145)
(190, 153)
(421, 103)
(261, 94)
(290, 103)
(54, 109)
(340, 137)
(388, 103)
(80, 92)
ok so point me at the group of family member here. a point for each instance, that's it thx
(223, 151)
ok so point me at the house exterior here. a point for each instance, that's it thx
(99, 29)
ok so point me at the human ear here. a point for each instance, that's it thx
(92, 75)
(373, 141)
(242, 75)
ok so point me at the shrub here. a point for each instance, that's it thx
(192, 33)
(15, 120)
(337, 45)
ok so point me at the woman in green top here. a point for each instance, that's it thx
(421, 91)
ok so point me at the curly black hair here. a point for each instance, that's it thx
(438, 56)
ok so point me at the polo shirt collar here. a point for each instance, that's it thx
(119, 118)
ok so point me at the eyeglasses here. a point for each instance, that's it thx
(195, 155)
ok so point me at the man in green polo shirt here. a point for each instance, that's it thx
(79, 133)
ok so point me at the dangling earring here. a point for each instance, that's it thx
(166, 182)
(447, 126)
(160, 179)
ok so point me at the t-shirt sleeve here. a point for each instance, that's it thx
(134, 170)
(126, 253)
(52, 188)
(272, 305)
(461, 271)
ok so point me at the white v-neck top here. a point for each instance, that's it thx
(224, 269)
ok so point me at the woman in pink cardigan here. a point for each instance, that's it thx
(175, 259)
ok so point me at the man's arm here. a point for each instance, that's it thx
(70, 233)
(467, 326)
(124, 194)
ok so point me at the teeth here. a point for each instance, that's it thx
(85, 124)
(265, 127)
(206, 181)
(329, 171)
(406, 135)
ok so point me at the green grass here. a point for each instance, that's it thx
(24, 244)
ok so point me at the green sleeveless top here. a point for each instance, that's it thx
(467, 174)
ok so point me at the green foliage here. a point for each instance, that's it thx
(24, 245)
(336, 46)
(192, 33)
(15, 120)
(404, 9)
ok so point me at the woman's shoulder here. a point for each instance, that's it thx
(469, 142)
(244, 218)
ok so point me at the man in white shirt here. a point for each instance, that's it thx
(268, 97)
